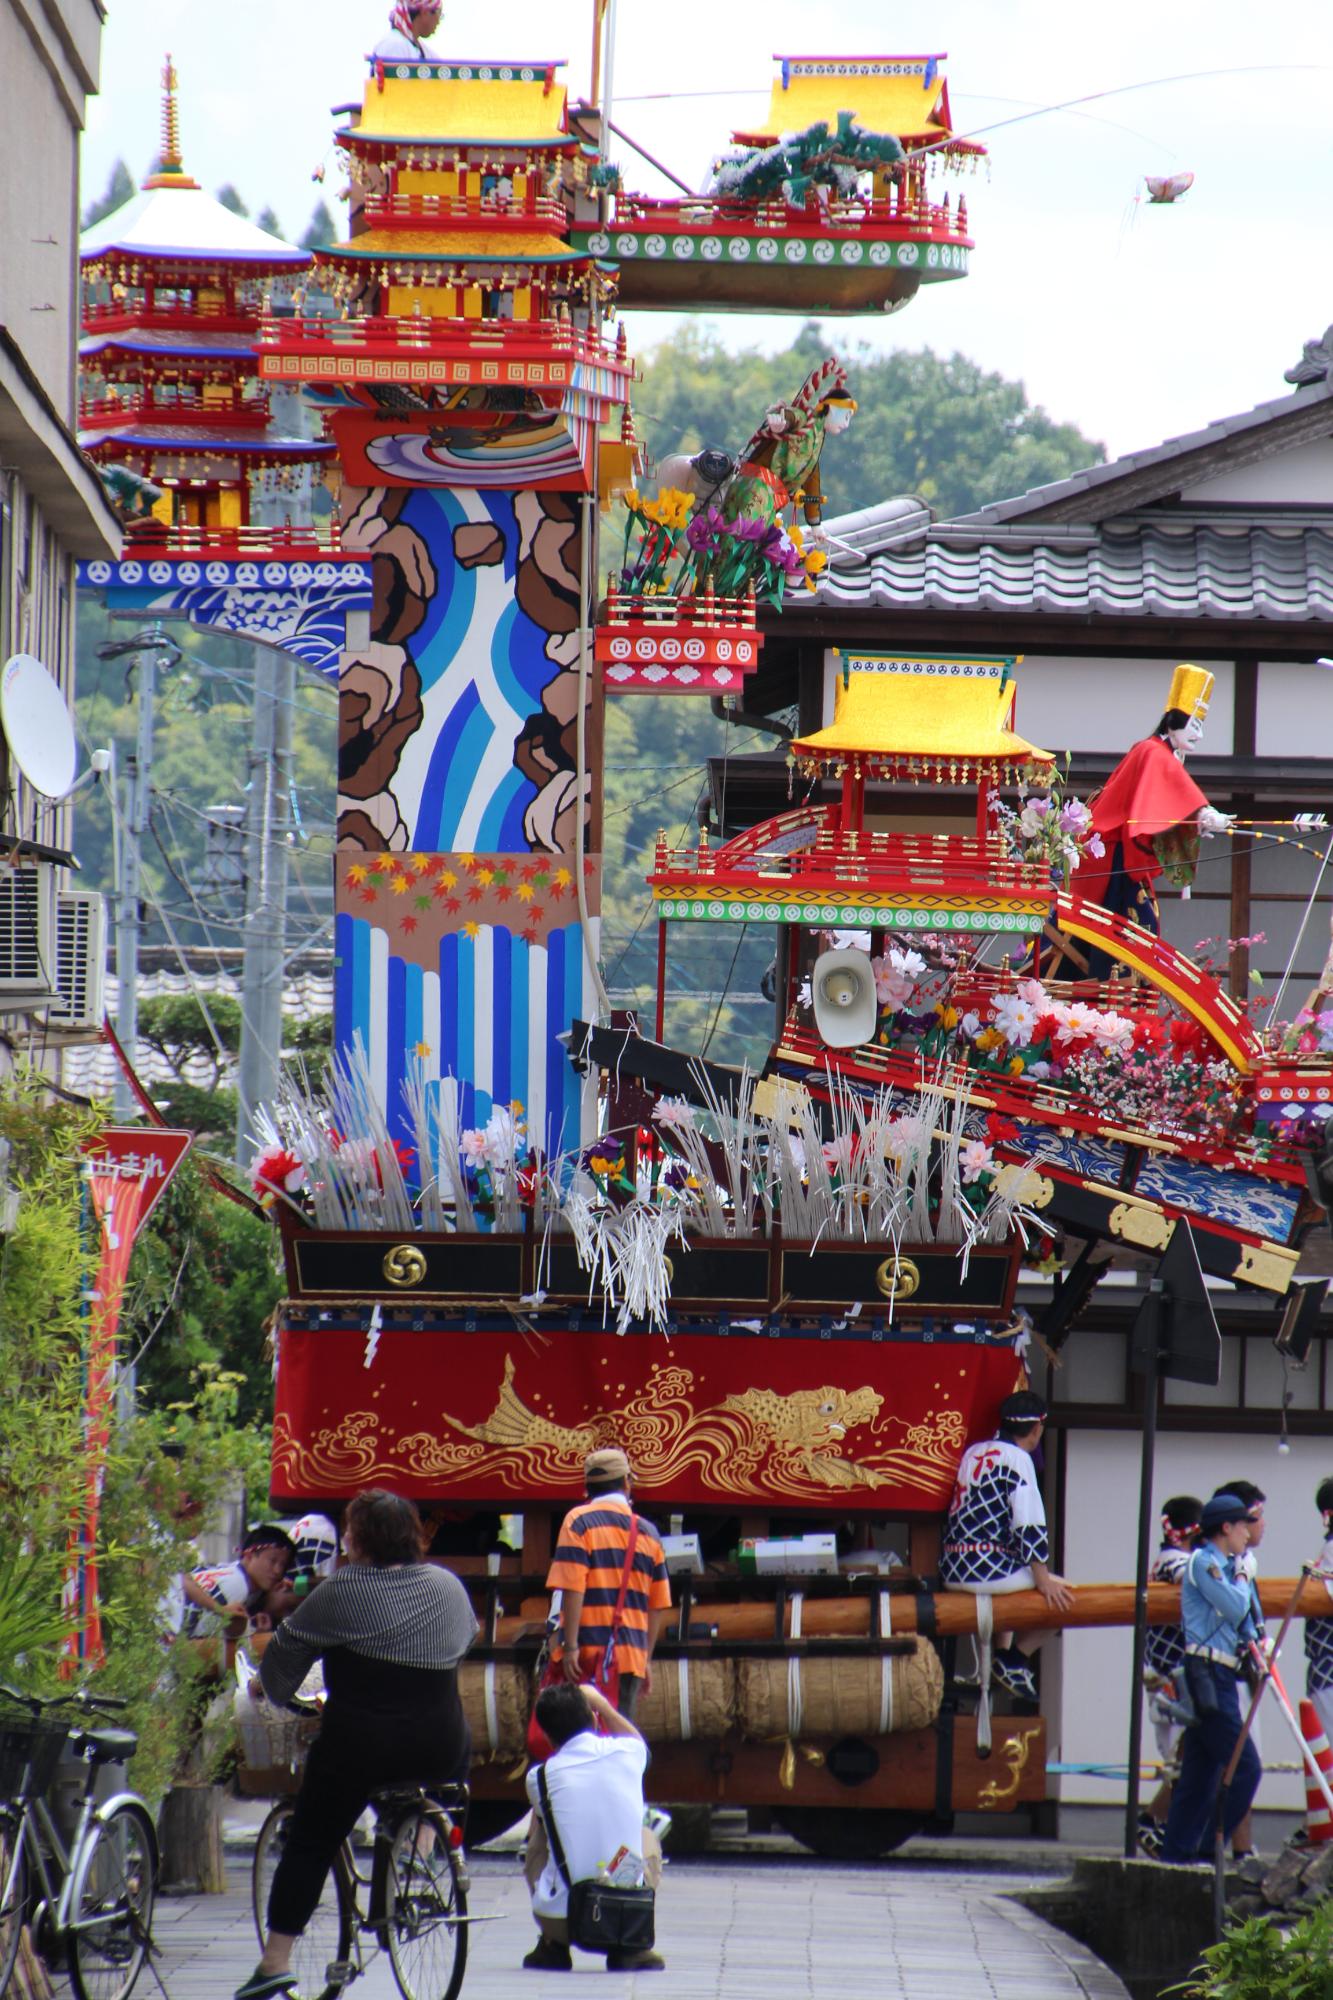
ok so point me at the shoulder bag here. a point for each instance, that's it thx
(602, 1916)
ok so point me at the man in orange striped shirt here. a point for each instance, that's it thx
(587, 1567)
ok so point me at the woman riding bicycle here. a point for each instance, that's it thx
(391, 1630)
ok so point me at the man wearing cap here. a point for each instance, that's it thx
(592, 1559)
(1217, 1613)
(995, 1542)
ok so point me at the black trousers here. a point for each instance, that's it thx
(1209, 1743)
(355, 1754)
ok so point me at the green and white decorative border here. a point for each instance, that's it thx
(847, 251)
(439, 72)
(853, 916)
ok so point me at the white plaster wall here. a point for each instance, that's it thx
(1091, 1722)
(48, 59)
(1303, 476)
(1295, 710)
(1098, 704)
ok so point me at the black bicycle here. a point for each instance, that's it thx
(416, 1898)
(90, 1906)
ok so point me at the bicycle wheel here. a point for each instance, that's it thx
(327, 1939)
(13, 1895)
(111, 1928)
(423, 1902)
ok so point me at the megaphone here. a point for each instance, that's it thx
(843, 988)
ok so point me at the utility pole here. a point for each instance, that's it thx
(137, 813)
(268, 826)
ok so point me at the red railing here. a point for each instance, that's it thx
(121, 316)
(905, 213)
(322, 540)
(512, 340)
(623, 607)
(103, 412)
(485, 211)
(1048, 1101)
(837, 862)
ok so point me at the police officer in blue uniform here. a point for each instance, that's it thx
(1220, 1619)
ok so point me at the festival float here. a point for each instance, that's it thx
(171, 409)
(515, 1229)
(828, 208)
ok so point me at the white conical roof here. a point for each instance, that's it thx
(184, 221)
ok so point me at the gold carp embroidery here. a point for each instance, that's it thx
(755, 1443)
(511, 1422)
(806, 1429)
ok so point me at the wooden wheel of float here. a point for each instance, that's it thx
(849, 1836)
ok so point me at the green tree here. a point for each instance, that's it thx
(118, 190)
(201, 1049)
(176, 1026)
(266, 219)
(204, 1280)
(940, 426)
(205, 1417)
(229, 198)
(320, 229)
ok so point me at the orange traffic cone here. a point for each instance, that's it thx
(1318, 1818)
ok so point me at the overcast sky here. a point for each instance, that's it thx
(1133, 322)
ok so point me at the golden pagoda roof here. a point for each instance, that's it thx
(891, 705)
(459, 246)
(514, 102)
(904, 95)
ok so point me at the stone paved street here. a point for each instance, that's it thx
(731, 1928)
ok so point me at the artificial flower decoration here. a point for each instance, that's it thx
(277, 1171)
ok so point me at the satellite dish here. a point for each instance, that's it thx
(37, 726)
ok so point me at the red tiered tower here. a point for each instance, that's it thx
(175, 285)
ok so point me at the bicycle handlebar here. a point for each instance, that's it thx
(111, 1704)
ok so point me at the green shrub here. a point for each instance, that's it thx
(1257, 1961)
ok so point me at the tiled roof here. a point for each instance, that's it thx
(1136, 567)
(91, 1068)
(1160, 469)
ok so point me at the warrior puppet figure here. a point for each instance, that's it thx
(1151, 815)
(410, 22)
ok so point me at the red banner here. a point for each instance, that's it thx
(128, 1169)
(118, 1205)
(708, 1419)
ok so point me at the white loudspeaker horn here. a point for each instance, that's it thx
(843, 986)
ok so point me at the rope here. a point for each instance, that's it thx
(492, 1711)
(885, 1665)
(683, 1682)
(985, 1633)
(795, 1692)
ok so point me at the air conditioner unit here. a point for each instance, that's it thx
(80, 960)
(27, 935)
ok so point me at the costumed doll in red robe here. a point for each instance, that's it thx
(1151, 816)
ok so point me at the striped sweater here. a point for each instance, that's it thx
(590, 1557)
